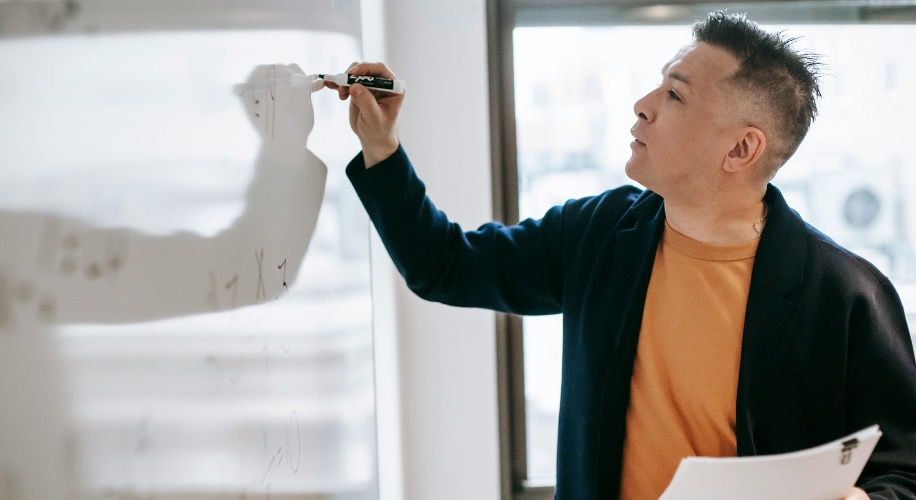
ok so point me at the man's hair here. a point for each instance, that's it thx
(784, 81)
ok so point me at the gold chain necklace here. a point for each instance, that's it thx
(766, 211)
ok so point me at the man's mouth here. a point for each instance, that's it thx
(636, 139)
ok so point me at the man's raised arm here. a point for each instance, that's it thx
(514, 269)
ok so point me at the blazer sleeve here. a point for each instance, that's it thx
(517, 269)
(881, 389)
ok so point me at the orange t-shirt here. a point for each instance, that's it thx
(685, 377)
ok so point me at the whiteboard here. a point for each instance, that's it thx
(185, 306)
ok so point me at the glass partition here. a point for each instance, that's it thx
(185, 306)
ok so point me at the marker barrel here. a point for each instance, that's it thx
(371, 82)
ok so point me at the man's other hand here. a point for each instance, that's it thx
(857, 494)
(373, 113)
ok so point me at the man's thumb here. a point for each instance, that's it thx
(366, 102)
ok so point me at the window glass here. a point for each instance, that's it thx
(852, 177)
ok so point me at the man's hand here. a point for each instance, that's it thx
(857, 494)
(373, 113)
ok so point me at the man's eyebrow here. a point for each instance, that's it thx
(679, 77)
(675, 75)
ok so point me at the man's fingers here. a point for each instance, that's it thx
(366, 102)
(381, 94)
(374, 69)
(341, 90)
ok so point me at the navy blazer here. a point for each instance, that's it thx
(826, 350)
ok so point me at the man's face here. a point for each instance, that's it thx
(682, 129)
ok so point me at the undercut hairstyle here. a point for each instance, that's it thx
(772, 74)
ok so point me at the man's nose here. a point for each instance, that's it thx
(643, 108)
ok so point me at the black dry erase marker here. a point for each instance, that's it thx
(371, 82)
(342, 79)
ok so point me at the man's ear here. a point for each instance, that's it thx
(748, 149)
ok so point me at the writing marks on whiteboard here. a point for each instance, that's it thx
(272, 103)
(286, 346)
(259, 257)
(83, 252)
(230, 288)
(293, 442)
(217, 287)
(277, 458)
(115, 262)
(233, 284)
(93, 270)
(19, 300)
(263, 95)
(283, 267)
(115, 250)
(103, 252)
(289, 343)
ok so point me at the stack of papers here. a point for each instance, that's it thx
(826, 472)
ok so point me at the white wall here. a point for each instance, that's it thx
(446, 356)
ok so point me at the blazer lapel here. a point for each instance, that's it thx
(770, 317)
(634, 255)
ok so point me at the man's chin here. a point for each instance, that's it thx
(632, 170)
(637, 172)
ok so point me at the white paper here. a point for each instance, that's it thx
(813, 474)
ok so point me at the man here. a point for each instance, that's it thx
(702, 316)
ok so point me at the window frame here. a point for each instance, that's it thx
(502, 19)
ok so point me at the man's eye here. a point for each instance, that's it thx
(672, 95)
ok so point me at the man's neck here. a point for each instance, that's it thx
(717, 220)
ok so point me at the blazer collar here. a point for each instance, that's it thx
(780, 263)
(638, 234)
(771, 313)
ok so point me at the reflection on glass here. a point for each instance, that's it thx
(162, 329)
(851, 178)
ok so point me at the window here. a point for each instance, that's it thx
(576, 72)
